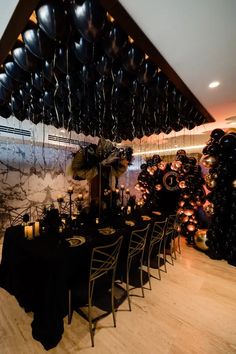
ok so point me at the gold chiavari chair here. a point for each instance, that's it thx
(103, 263)
(136, 249)
(156, 243)
(170, 235)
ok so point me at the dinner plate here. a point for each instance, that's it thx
(145, 217)
(107, 231)
(76, 241)
(156, 212)
(129, 222)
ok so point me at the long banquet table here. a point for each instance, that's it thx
(37, 272)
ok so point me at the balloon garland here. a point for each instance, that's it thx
(219, 156)
(76, 69)
(175, 187)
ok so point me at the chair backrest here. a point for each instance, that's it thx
(158, 232)
(104, 259)
(137, 241)
(171, 225)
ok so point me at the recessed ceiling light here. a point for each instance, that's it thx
(214, 84)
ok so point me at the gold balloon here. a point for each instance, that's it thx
(182, 184)
(191, 227)
(158, 187)
(162, 165)
(188, 212)
(185, 219)
(211, 184)
(200, 239)
(208, 161)
(208, 177)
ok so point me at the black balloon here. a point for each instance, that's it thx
(147, 72)
(115, 41)
(15, 72)
(47, 71)
(7, 82)
(133, 58)
(89, 18)
(25, 59)
(5, 111)
(52, 20)
(65, 60)
(38, 43)
(216, 134)
(87, 74)
(103, 66)
(84, 51)
(227, 142)
(121, 77)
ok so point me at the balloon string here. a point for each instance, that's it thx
(133, 116)
(56, 89)
(68, 85)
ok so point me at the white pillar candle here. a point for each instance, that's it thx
(29, 232)
(36, 228)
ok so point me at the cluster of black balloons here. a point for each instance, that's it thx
(192, 194)
(76, 69)
(220, 158)
(150, 183)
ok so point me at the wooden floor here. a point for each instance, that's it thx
(191, 310)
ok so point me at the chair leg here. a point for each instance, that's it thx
(141, 277)
(159, 265)
(127, 287)
(179, 248)
(174, 248)
(148, 269)
(164, 256)
(91, 326)
(112, 302)
(70, 307)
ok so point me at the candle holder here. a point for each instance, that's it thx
(122, 188)
(127, 192)
(70, 192)
(79, 201)
(60, 200)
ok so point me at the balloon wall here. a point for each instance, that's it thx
(220, 158)
(73, 67)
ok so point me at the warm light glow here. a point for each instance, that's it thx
(146, 56)
(20, 38)
(130, 39)
(150, 152)
(214, 84)
(110, 18)
(33, 17)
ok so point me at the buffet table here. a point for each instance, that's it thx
(38, 272)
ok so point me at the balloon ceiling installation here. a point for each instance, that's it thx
(75, 68)
(168, 187)
(220, 158)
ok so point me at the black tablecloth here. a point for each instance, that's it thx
(38, 273)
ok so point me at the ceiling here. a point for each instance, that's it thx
(198, 40)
